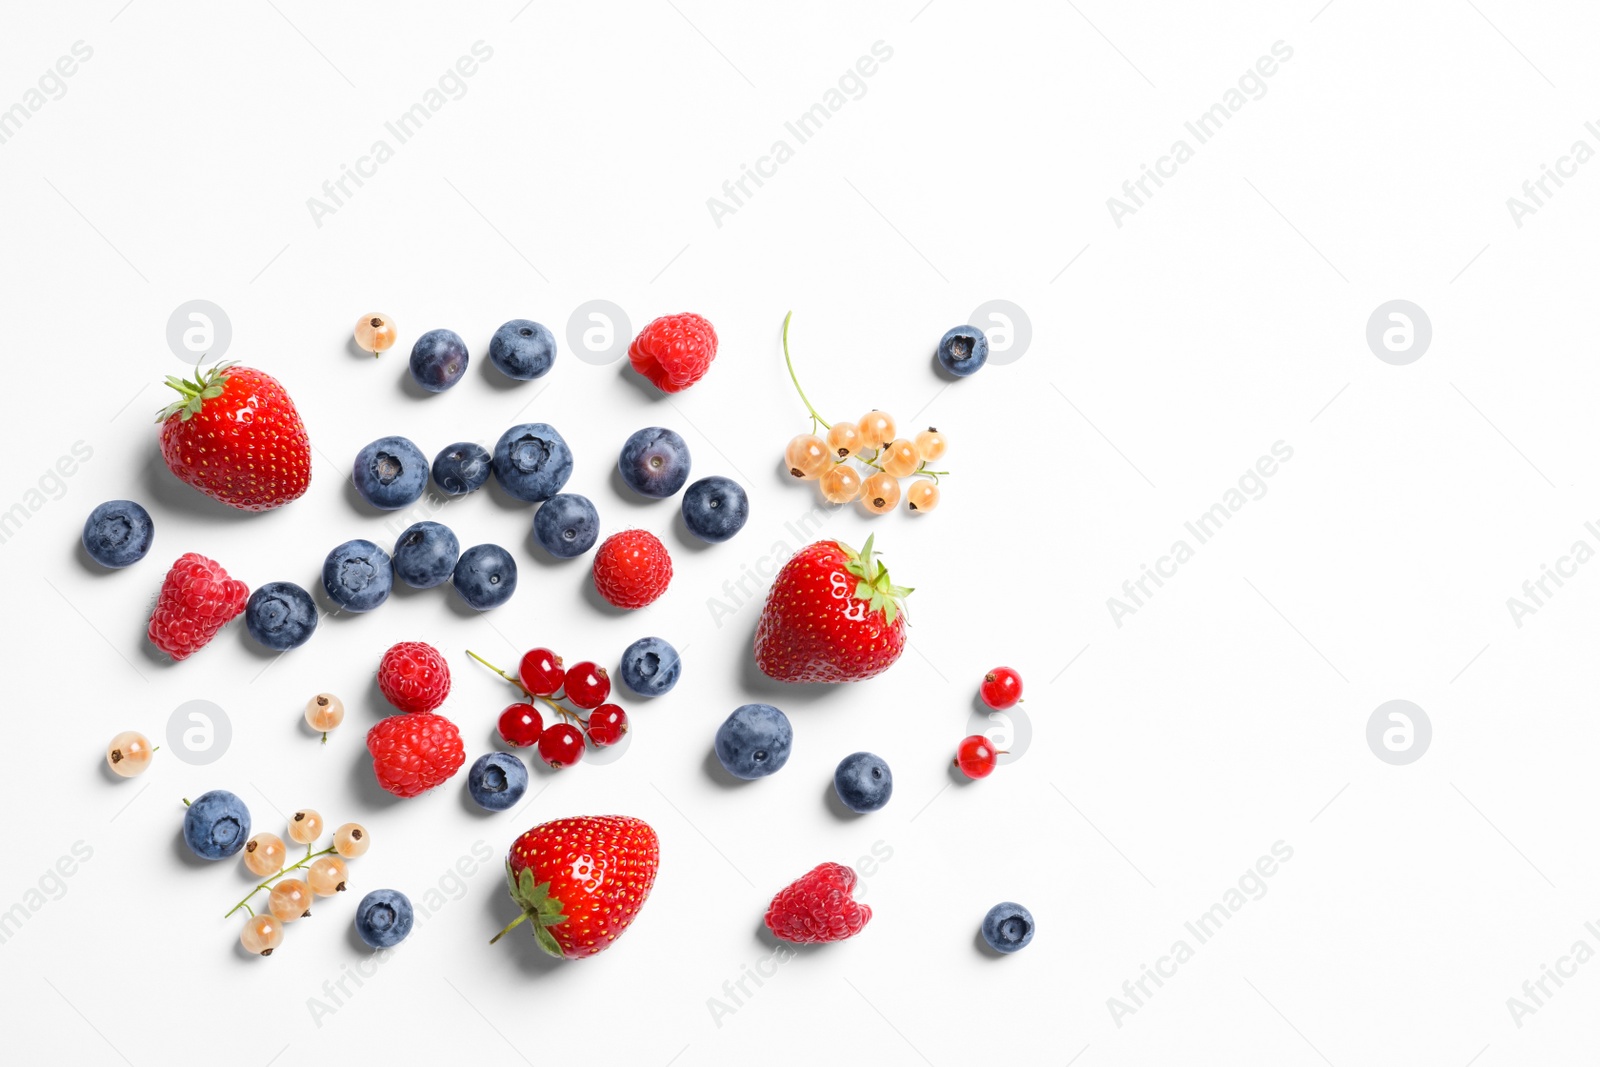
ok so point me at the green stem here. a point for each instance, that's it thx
(245, 903)
(510, 926)
(790, 364)
(560, 709)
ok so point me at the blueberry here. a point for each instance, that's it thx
(754, 741)
(486, 576)
(497, 781)
(461, 468)
(281, 615)
(357, 575)
(426, 554)
(566, 525)
(650, 666)
(1008, 927)
(654, 462)
(963, 350)
(863, 782)
(715, 508)
(216, 825)
(438, 360)
(384, 918)
(390, 473)
(522, 349)
(532, 461)
(118, 533)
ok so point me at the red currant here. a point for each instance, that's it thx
(588, 685)
(561, 745)
(976, 757)
(521, 725)
(541, 672)
(607, 724)
(1001, 688)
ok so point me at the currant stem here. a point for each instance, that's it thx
(245, 903)
(559, 709)
(815, 418)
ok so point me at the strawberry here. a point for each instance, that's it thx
(413, 676)
(414, 752)
(817, 907)
(235, 436)
(832, 615)
(197, 599)
(581, 881)
(674, 351)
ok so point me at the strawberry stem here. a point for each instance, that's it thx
(510, 926)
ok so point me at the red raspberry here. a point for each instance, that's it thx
(674, 351)
(414, 676)
(197, 598)
(817, 907)
(632, 568)
(413, 753)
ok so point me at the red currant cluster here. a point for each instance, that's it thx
(542, 679)
(290, 898)
(1001, 689)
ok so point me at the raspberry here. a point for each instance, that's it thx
(632, 568)
(414, 676)
(413, 753)
(817, 907)
(674, 351)
(197, 598)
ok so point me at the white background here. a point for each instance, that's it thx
(1168, 354)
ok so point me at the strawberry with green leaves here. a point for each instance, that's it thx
(581, 881)
(235, 435)
(832, 615)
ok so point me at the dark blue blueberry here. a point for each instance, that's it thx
(650, 666)
(438, 360)
(118, 533)
(497, 780)
(754, 741)
(281, 615)
(216, 825)
(654, 462)
(384, 918)
(357, 575)
(863, 782)
(566, 525)
(390, 473)
(485, 576)
(522, 349)
(461, 468)
(715, 508)
(1008, 927)
(532, 461)
(426, 554)
(963, 350)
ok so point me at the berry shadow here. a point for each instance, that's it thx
(939, 369)
(359, 503)
(625, 493)
(835, 806)
(718, 774)
(531, 960)
(687, 540)
(468, 805)
(365, 784)
(600, 603)
(983, 946)
(353, 349)
(771, 691)
(87, 562)
(163, 487)
(638, 381)
(409, 387)
(503, 499)
(536, 552)
(180, 849)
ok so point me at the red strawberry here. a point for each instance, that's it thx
(831, 616)
(414, 676)
(413, 753)
(817, 907)
(235, 435)
(632, 568)
(674, 351)
(581, 881)
(197, 598)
